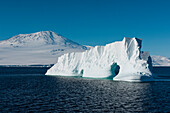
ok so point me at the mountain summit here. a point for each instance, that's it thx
(40, 48)
(41, 38)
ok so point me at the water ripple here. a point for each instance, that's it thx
(69, 94)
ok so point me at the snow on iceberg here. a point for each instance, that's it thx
(122, 61)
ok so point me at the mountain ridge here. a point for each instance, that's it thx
(36, 48)
(39, 39)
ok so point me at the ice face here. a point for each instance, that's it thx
(121, 60)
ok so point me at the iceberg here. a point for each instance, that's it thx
(120, 61)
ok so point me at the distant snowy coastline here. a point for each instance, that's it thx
(50, 65)
(160, 61)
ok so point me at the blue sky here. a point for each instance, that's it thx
(91, 22)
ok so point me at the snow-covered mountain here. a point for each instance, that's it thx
(36, 48)
(39, 39)
(160, 61)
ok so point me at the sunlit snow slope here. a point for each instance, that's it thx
(122, 60)
(41, 48)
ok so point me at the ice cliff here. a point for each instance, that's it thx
(122, 61)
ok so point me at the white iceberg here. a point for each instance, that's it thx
(122, 61)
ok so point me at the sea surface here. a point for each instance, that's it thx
(35, 92)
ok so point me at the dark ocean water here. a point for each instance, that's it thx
(40, 93)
